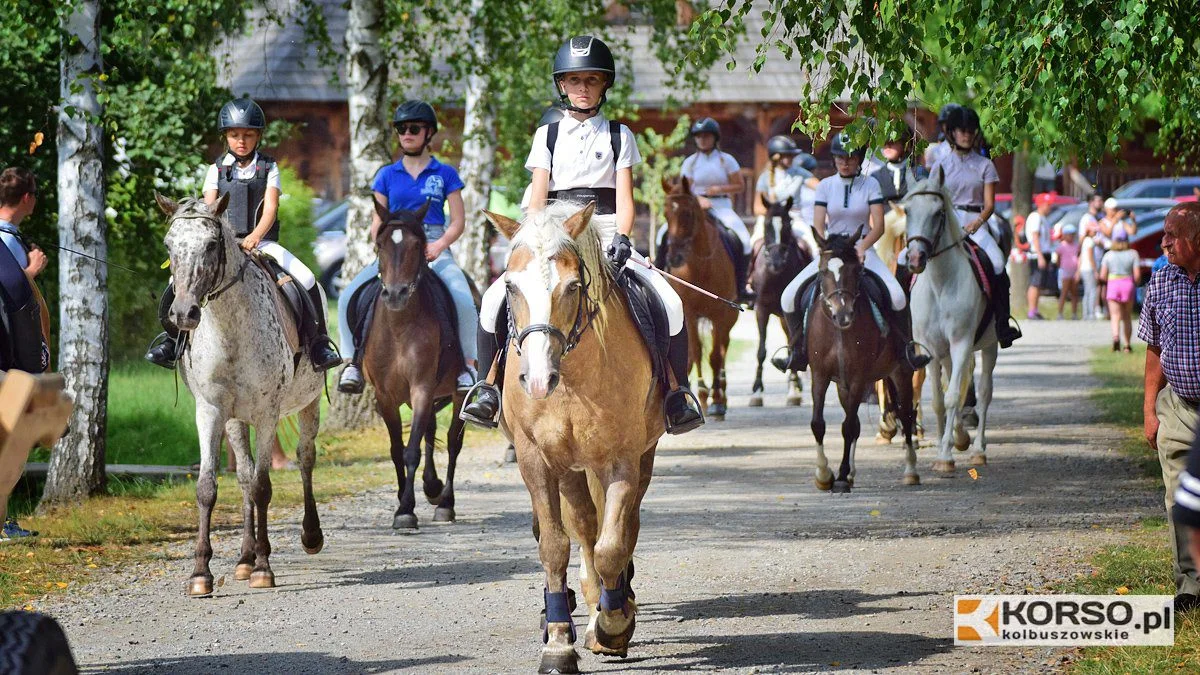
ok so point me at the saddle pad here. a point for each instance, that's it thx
(361, 314)
(287, 299)
(651, 318)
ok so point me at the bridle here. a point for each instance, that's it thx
(941, 226)
(585, 313)
(222, 263)
(848, 299)
(699, 217)
(421, 267)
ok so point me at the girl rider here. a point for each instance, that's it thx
(785, 178)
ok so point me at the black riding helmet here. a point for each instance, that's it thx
(782, 145)
(805, 161)
(943, 115)
(416, 111)
(583, 53)
(906, 137)
(838, 147)
(706, 125)
(962, 118)
(241, 113)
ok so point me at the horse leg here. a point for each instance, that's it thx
(795, 387)
(444, 513)
(918, 383)
(979, 457)
(887, 418)
(623, 487)
(850, 396)
(956, 388)
(390, 412)
(422, 419)
(902, 386)
(582, 519)
(716, 361)
(264, 437)
(238, 434)
(820, 386)
(554, 549)
(756, 392)
(209, 422)
(967, 417)
(430, 483)
(311, 537)
(694, 362)
(938, 394)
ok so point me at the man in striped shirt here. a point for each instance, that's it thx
(1170, 325)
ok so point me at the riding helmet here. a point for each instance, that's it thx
(806, 161)
(706, 125)
(416, 111)
(839, 147)
(582, 53)
(962, 118)
(782, 145)
(945, 111)
(241, 113)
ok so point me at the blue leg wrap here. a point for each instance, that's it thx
(558, 610)
(615, 599)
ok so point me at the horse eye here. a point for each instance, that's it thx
(574, 286)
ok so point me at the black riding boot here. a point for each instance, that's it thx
(164, 350)
(485, 409)
(660, 255)
(795, 355)
(320, 347)
(741, 270)
(681, 408)
(902, 324)
(1006, 333)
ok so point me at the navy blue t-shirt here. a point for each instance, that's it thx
(436, 182)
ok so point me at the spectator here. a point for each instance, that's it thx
(1087, 271)
(1067, 253)
(1091, 217)
(1037, 230)
(1186, 511)
(1121, 271)
(1170, 325)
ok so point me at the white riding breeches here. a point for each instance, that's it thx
(298, 270)
(873, 264)
(723, 210)
(493, 297)
(984, 237)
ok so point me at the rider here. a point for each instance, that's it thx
(582, 166)
(938, 150)
(898, 173)
(251, 179)
(408, 184)
(845, 201)
(785, 178)
(971, 180)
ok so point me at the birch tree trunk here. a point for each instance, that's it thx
(77, 463)
(366, 76)
(478, 161)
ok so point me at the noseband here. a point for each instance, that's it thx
(941, 227)
(848, 299)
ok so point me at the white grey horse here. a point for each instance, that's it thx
(947, 307)
(243, 372)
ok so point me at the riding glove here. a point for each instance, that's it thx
(619, 251)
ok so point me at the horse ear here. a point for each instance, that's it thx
(685, 184)
(382, 212)
(168, 205)
(222, 204)
(420, 213)
(507, 226)
(576, 224)
(765, 202)
(787, 206)
(668, 185)
(860, 231)
(898, 208)
(939, 178)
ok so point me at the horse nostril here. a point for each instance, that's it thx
(523, 380)
(193, 313)
(553, 381)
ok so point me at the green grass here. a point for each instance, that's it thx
(1119, 399)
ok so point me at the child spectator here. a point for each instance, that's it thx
(1067, 253)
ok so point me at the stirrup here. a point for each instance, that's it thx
(916, 360)
(355, 386)
(161, 343)
(320, 343)
(785, 364)
(466, 416)
(694, 406)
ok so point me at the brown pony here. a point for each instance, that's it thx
(847, 346)
(697, 256)
(583, 408)
(409, 360)
(779, 260)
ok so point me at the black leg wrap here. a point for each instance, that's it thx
(614, 600)
(558, 610)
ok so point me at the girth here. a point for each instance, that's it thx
(605, 198)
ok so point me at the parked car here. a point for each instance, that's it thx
(1177, 186)
(1004, 204)
(1148, 240)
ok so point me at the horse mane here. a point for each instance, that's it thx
(543, 234)
(842, 246)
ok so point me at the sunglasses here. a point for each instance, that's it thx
(410, 129)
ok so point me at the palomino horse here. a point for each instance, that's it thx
(947, 307)
(888, 247)
(409, 360)
(585, 421)
(846, 345)
(781, 258)
(696, 255)
(240, 368)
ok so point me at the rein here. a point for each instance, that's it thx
(585, 313)
(223, 263)
(940, 228)
(696, 214)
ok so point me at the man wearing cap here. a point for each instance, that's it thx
(1170, 325)
(1041, 248)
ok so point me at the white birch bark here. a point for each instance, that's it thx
(479, 158)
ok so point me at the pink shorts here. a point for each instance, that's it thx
(1121, 290)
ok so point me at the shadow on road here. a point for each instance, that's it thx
(294, 663)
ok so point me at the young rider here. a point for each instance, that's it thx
(251, 179)
(899, 172)
(408, 184)
(784, 178)
(971, 180)
(591, 160)
(845, 202)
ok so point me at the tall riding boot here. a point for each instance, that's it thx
(485, 409)
(741, 270)
(320, 347)
(902, 324)
(1006, 333)
(660, 255)
(795, 355)
(681, 407)
(164, 349)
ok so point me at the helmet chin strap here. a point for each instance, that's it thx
(246, 157)
(565, 104)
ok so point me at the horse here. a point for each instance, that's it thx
(583, 408)
(409, 359)
(243, 372)
(695, 254)
(947, 308)
(846, 345)
(780, 259)
(888, 247)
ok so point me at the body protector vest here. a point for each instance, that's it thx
(246, 196)
(22, 345)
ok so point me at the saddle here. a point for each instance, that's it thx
(650, 316)
(731, 242)
(361, 314)
(981, 267)
(289, 299)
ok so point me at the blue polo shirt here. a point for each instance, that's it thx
(436, 182)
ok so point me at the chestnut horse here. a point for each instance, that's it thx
(409, 359)
(846, 345)
(584, 410)
(779, 260)
(696, 255)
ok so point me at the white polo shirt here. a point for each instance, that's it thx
(708, 169)
(582, 154)
(847, 202)
(242, 173)
(965, 176)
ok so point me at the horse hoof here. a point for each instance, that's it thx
(756, 401)
(313, 546)
(200, 587)
(841, 487)
(717, 411)
(262, 580)
(559, 661)
(883, 439)
(242, 572)
(510, 455)
(793, 401)
(433, 492)
(614, 645)
(970, 419)
(978, 460)
(912, 479)
(404, 521)
(444, 515)
(943, 466)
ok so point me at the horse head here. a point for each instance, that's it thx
(841, 273)
(684, 217)
(400, 249)
(927, 209)
(203, 250)
(556, 282)
(780, 242)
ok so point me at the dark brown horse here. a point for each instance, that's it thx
(697, 256)
(409, 360)
(846, 345)
(779, 260)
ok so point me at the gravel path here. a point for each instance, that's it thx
(742, 565)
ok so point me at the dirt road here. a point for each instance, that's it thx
(742, 565)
